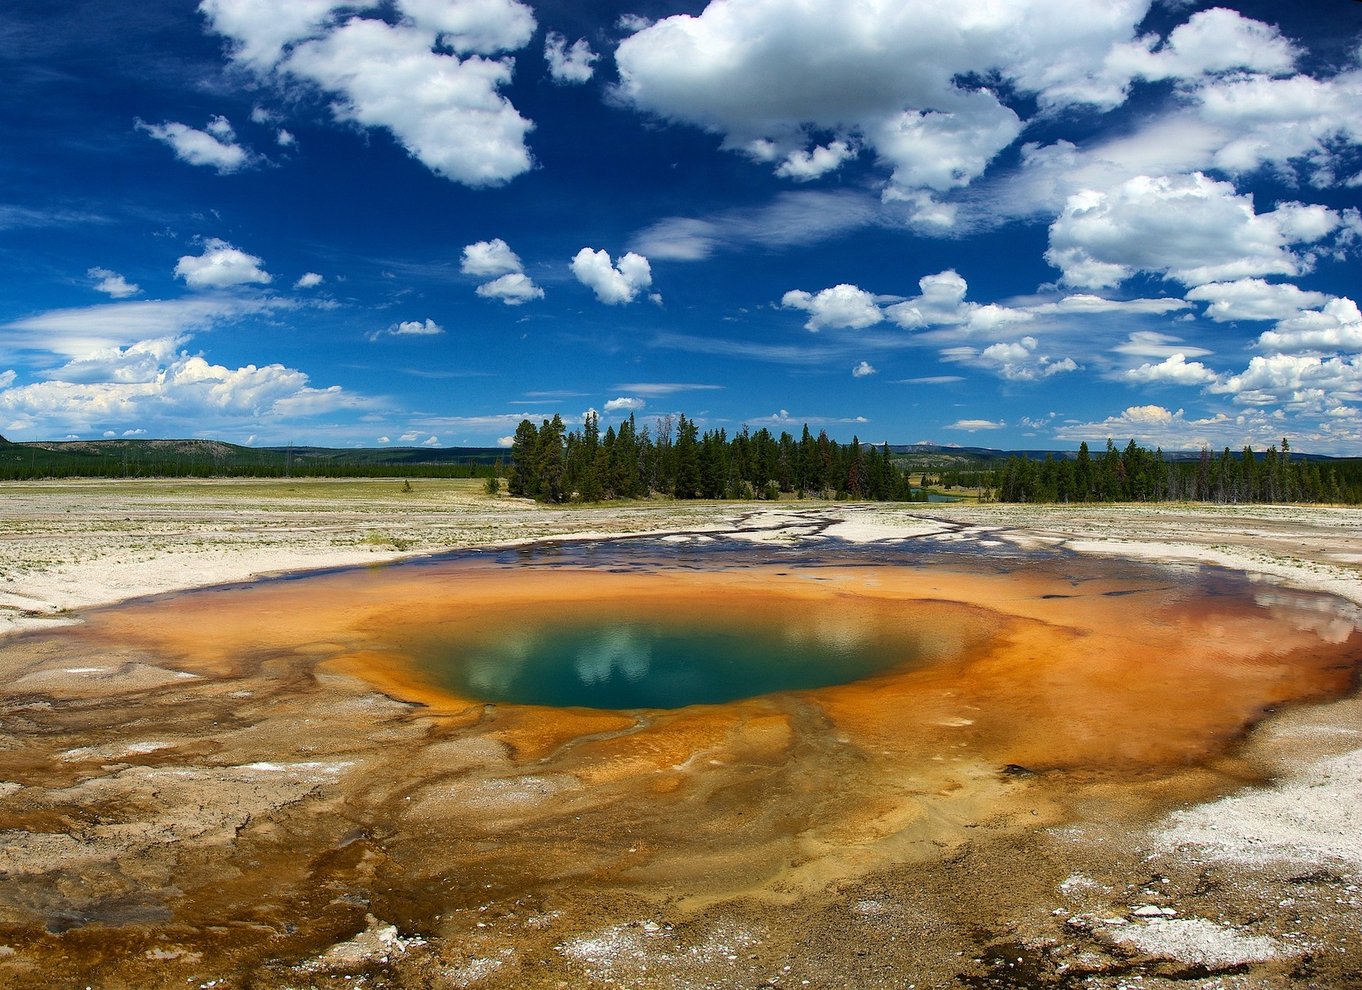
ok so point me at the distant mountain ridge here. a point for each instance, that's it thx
(973, 455)
(207, 458)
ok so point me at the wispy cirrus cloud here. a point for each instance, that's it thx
(80, 330)
(665, 388)
(791, 218)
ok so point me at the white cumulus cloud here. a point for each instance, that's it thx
(614, 284)
(1304, 128)
(1211, 41)
(221, 266)
(625, 403)
(308, 280)
(569, 64)
(410, 328)
(141, 361)
(1173, 370)
(1150, 414)
(863, 369)
(484, 259)
(1305, 381)
(1335, 327)
(513, 289)
(1154, 424)
(841, 307)
(260, 30)
(771, 76)
(1254, 299)
(1190, 228)
(418, 328)
(215, 146)
(1299, 124)
(941, 303)
(155, 383)
(431, 79)
(112, 283)
(484, 26)
(803, 166)
(940, 299)
(1020, 360)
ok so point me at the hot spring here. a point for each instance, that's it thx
(1041, 659)
(665, 661)
(507, 748)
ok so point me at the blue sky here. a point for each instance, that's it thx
(419, 221)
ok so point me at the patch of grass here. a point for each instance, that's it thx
(391, 542)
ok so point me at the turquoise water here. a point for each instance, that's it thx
(642, 664)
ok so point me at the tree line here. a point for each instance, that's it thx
(1137, 474)
(551, 464)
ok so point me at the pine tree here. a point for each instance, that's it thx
(1083, 474)
(1110, 484)
(524, 478)
(687, 484)
(588, 481)
(1248, 475)
(855, 469)
(804, 465)
(786, 462)
(549, 460)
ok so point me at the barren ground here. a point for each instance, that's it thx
(287, 824)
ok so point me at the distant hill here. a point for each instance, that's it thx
(393, 455)
(209, 458)
(948, 456)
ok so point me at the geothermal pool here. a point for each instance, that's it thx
(595, 731)
(648, 663)
(1056, 660)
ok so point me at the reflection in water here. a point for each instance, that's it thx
(664, 663)
(619, 647)
(1331, 620)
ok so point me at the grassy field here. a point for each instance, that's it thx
(78, 542)
(246, 490)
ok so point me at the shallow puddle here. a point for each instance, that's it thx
(568, 725)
